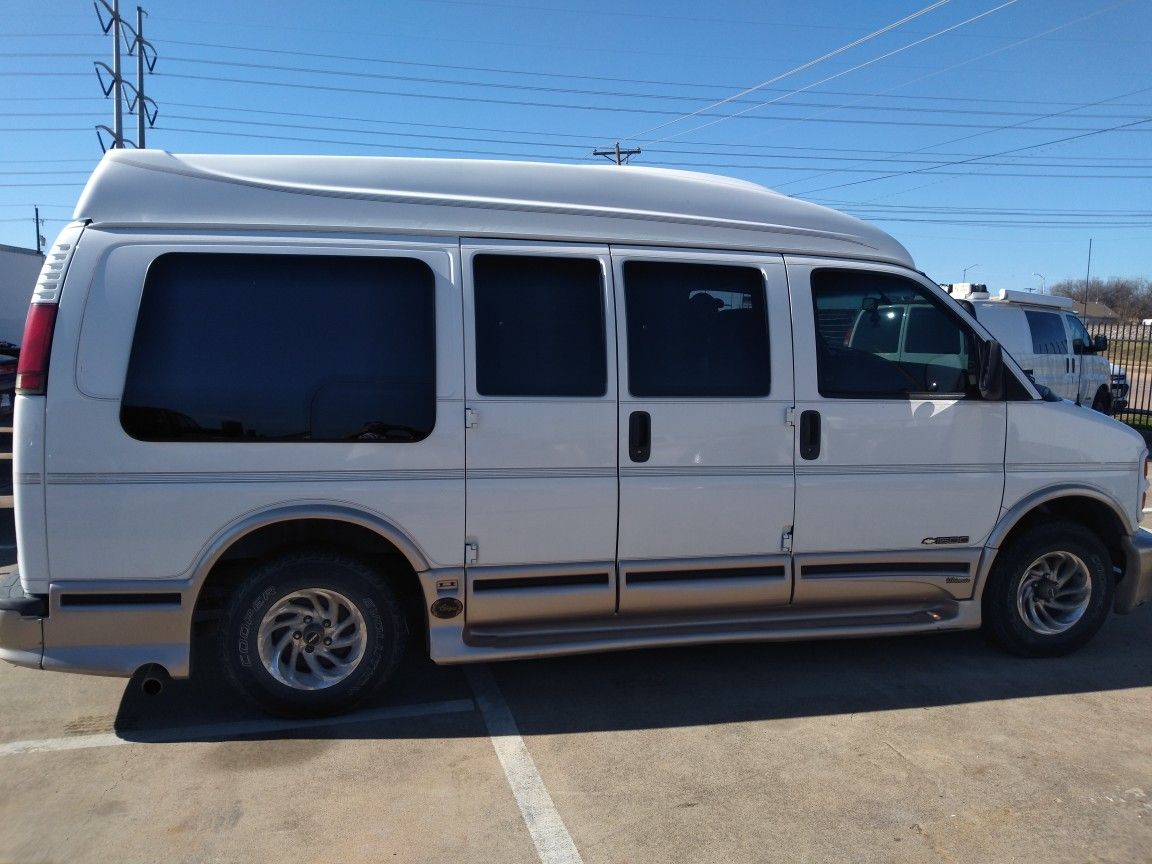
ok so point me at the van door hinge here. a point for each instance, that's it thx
(471, 553)
(469, 418)
(790, 416)
(786, 540)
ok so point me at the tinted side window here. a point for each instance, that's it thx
(1048, 336)
(233, 347)
(539, 326)
(931, 331)
(882, 336)
(696, 330)
(878, 333)
(1078, 331)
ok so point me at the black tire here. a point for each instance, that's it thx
(366, 667)
(1102, 402)
(1005, 620)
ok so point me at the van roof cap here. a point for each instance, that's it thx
(470, 198)
(977, 291)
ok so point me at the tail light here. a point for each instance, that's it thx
(32, 368)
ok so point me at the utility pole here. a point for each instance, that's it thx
(620, 157)
(145, 52)
(39, 236)
(1087, 277)
(115, 87)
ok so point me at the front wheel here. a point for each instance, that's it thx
(1050, 591)
(311, 633)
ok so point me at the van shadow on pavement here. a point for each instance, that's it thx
(689, 686)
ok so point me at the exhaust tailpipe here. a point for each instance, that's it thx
(154, 678)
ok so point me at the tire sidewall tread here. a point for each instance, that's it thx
(360, 582)
(1001, 618)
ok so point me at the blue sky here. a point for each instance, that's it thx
(983, 147)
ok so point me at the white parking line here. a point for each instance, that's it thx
(553, 842)
(228, 730)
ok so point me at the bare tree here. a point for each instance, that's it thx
(1130, 298)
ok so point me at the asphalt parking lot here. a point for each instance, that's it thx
(916, 749)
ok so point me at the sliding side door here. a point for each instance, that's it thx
(706, 476)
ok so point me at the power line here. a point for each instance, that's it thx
(528, 73)
(531, 155)
(776, 25)
(805, 150)
(968, 61)
(989, 156)
(602, 78)
(859, 66)
(583, 148)
(585, 92)
(765, 161)
(569, 106)
(1009, 126)
(828, 56)
(588, 92)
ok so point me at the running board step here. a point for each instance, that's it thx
(787, 623)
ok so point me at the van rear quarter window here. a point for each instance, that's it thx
(248, 347)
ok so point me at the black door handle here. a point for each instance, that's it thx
(809, 434)
(639, 436)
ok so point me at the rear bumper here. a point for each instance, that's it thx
(96, 628)
(1136, 586)
(21, 623)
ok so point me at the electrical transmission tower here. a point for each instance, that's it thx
(620, 157)
(145, 53)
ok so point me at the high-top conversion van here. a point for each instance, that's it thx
(1043, 333)
(524, 409)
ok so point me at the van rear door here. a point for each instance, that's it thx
(539, 332)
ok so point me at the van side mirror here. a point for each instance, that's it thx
(991, 376)
(1100, 343)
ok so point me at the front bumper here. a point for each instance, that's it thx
(1136, 586)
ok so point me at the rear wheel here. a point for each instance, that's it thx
(311, 633)
(1050, 591)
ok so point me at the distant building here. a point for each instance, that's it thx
(19, 269)
(1096, 313)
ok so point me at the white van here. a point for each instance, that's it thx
(1048, 340)
(526, 410)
